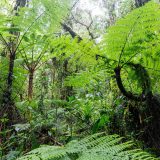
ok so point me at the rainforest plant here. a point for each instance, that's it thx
(134, 42)
(57, 86)
(94, 147)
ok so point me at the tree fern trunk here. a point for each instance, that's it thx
(8, 109)
(30, 85)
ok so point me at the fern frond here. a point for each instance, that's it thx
(45, 153)
(136, 35)
(94, 147)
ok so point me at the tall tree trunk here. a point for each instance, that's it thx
(30, 85)
(20, 3)
(140, 3)
(8, 109)
(7, 102)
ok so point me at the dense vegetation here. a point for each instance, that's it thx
(76, 86)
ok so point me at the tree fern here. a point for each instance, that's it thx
(135, 38)
(137, 33)
(94, 147)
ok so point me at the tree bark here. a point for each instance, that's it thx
(20, 3)
(140, 3)
(72, 33)
(8, 109)
(146, 84)
(150, 123)
(30, 85)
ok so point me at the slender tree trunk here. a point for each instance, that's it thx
(7, 97)
(8, 109)
(8, 92)
(30, 85)
(20, 3)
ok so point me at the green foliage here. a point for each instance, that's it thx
(94, 147)
(82, 52)
(75, 93)
(44, 16)
(135, 38)
(126, 7)
(137, 33)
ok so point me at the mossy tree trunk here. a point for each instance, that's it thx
(9, 112)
